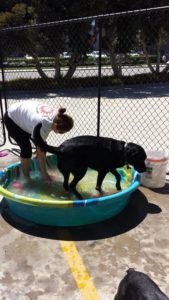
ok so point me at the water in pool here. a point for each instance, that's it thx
(39, 189)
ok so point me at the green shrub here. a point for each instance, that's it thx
(48, 62)
(48, 84)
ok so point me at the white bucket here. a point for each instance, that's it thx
(155, 175)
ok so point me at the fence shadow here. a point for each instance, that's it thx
(129, 218)
(134, 92)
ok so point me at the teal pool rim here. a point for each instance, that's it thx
(135, 182)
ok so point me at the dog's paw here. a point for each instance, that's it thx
(75, 192)
(66, 187)
(99, 189)
(78, 195)
(118, 187)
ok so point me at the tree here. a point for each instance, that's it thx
(120, 33)
(150, 31)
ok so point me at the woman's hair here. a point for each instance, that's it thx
(62, 121)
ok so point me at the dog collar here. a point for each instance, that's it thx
(125, 145)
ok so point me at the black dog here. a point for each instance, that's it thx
(138, 286)
(99, 153)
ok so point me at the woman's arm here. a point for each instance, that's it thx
(41, 154)
(42, 163)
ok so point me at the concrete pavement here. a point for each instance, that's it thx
(36, 261)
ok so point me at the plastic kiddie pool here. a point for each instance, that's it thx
(44, 207)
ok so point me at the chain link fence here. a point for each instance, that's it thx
(110, 72)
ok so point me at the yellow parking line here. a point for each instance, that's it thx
(82, 277)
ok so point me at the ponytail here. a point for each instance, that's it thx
(62, 121)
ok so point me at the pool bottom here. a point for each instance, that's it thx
(39, 189)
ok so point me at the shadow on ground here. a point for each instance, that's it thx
(164, 190)
(134, 92)
(129, 218)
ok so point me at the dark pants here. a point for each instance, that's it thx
(22, 138)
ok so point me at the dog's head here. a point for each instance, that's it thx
(135, 156)
(138, 286)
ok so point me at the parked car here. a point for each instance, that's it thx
(27, 56)
(135, 53)
(96, 54)
(165, 56)
(66, 54)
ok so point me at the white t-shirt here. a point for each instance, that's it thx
(28, 114)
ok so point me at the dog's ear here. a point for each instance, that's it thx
(130, 151)
(133, 150)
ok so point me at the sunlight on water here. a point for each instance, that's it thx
(39, 189)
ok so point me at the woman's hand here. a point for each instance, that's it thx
(47, 177)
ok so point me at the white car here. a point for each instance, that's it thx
(165, 57)
(27, 56)
(96, 54)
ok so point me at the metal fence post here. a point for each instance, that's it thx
(99, 78)
(2, 71)
(2, 90)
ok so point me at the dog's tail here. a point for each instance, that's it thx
(41, 143)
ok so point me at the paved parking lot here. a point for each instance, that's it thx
(87, 262)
